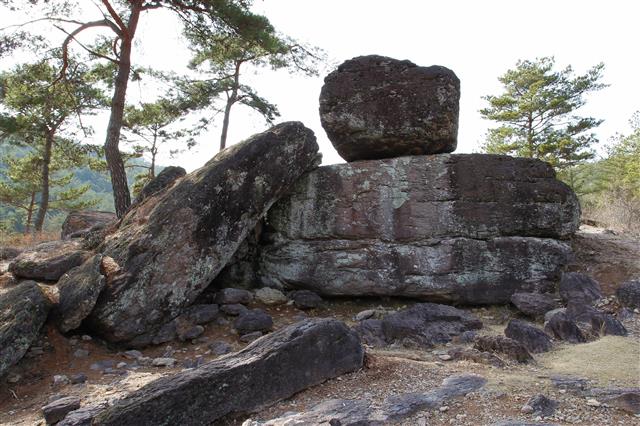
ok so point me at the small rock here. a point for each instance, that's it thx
(561, 327)
(60, 380)
(465, 337)
(190, 333)
(628, 401)
(629, 294)
(270, 296)
(445, 357)
(57, 410)
(163, 362)
(193, 363)
(534, 339)
(78, 378)
(14, 378)
(250, 337)
(81, 353)
(503, 345)
(201, 314)
(132, 354)
(533, 304)
(86, 338)
(231, 296)
(542, 406)
(305, 299)
(444, 409)
(234, 309)
(363, 315)
(253, 320)
(526, 409)
(144, 360)
(593, 402)
(121, 365)
(220, 348)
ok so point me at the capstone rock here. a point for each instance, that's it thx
(48, 261)
(376, 107)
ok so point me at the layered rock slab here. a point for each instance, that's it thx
(176, 241)
(467, 228)
(376, 107)
(270, 369)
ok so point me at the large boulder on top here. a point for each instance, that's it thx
(270, 369)
(23, 312)
(175, 242)
(48, 261)
(165, 178)
(77, 224)
(376, 107)
(467, 228)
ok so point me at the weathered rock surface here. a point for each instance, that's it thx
(465, 228)
(232, 296)
(78, 292)
(629, 294)
(503, 345)
(533, 304)
(270, 369)
(421, 325)
(23, 311)
(628, 401)
(305, 299)
(377, 107)
(48, 261)
(562, 327)
(534, 339)
(542, 406)
(58, 409)
(175, 242)
(77, 224)
(597, 323)
(253, 320)
(270, 296)
(165, 178)
(7, 253)
(577, 287)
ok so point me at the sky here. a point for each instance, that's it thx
(478, 40)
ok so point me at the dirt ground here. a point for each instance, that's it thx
(608, 362)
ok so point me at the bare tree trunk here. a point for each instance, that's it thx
(32, 203)
(154, 152)
(121, 195)
(44, 192)
(227, 109)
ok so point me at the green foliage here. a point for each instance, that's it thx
(536, 113)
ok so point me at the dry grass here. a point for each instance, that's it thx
(27, 240)
(610, 357)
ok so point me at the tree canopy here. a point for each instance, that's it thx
(536, 113)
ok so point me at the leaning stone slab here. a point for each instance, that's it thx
(456, 228)
(23, 311)
(268, 370)
(171, 246)
(48, 261)
(77, 224)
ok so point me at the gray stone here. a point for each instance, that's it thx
(629, 294)
(562, 327)
(252, 321)
(132, 354)
(299, 356)
(78, 378)
(57, 410)
(173, 244)
(533, 304)
(82, 416)
(190, 333)
(166, 178)
(250, 337)
(597, 322)
(48, 261)
(579, 288)
(377, 107)
(8, 253)
(79, 223)
(233, 296)
(23, 312)
(233, 310)
(534, 339)
(340, 412)
(201, 314)
(60, 380)
(483, 228)
(81, 353)
(270, 296)
(163, 362)
(542, 406)
(628, 401)
(503, 345)
(305, 299)
(78, 292)
(570, 383)
(220, 348)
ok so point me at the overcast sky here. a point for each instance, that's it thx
(478, 40)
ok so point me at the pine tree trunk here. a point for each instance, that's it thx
(27, 228)
(227, 110)
(44, 192)
(121, 195)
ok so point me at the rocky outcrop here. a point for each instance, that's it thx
(629, 294)
(270, 369)
(77, 224)
(463, 228)
(78, 291)
(48, 261)
(23, 312)
(165, 178)
(376, 107)
(175, 242)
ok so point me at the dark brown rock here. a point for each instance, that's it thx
(78, 292)
(77, 224)
(232, 296)
(534, 339)
(48, 261)
(533, 304)
(629, 294)
(305, 299)
(252, 321)
(456, 228)
(176, 241)
(628, 401)
(8, 253)
(268, 370)
(598, 323)
(562, 327)
(58, 409)
(23, 312)
(376, 107)
(542, 406)
(503, 345)
(579, 288)
(167, 177)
